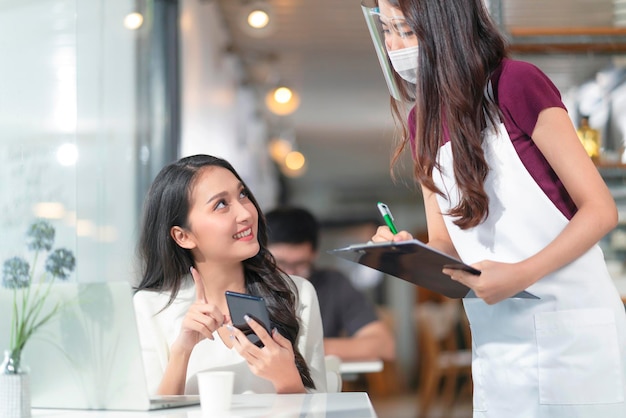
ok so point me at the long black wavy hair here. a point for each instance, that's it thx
(165, 265)
(459, 48)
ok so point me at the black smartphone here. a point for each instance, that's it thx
(240, 304)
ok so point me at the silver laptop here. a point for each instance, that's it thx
(88, 356)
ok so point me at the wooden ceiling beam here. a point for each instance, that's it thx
(609, 40)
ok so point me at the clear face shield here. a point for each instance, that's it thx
(395, 43)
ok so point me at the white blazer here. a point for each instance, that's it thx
(158, 330)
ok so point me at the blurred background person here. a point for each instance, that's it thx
(352, 328)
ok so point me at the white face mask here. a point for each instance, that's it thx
(404, 61)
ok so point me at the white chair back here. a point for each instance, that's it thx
(333, 375)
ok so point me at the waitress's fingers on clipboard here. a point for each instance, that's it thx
(402, 236)
(469, 279)
(384, 234)
(489, 285)
(463, 276)
(458, 274)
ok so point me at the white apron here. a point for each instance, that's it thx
(563, 355)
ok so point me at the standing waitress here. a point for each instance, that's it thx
(509, 189)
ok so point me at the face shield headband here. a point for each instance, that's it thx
(389, 33)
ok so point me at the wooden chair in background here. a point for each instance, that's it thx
(390, 381)
(444, 355)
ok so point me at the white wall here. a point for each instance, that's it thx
(220, 116)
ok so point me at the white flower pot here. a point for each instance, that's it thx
(15, 395)
(14, 387)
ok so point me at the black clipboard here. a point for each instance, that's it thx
(414, 262)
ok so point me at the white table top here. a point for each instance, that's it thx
(318, 405)
(350, 367)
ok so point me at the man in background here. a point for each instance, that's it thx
(352, 329)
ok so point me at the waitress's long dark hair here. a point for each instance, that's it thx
(165, 265)
(459, 47)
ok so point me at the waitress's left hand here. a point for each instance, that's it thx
(496, 282)
(274, 362)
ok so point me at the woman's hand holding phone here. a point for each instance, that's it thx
(242, 304)
(273, 361)
(268, 354)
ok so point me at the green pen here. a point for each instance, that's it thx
(387, 216)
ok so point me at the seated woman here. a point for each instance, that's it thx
(202, 234)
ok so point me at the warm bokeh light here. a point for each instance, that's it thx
(258, 19)
(85, 228)
(49, 210)
(279, 148)
(283, 95)
(282, 101)
(294, 164)
(133, 21)
(295, 160)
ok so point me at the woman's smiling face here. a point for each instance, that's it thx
(222, 221)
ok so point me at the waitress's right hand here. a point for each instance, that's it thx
(201, 320)
(384, 234)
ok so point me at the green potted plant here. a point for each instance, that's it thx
(29, 310)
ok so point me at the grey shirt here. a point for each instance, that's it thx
(344, 309)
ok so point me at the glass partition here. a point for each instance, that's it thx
(68, 153)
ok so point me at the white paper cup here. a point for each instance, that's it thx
(216, 391)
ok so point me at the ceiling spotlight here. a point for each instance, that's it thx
(282, 101)
(133, 21)
(283, 95)
(257, 18)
